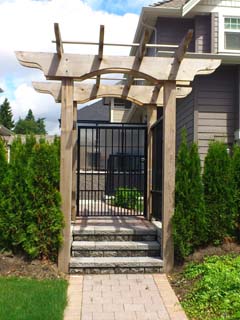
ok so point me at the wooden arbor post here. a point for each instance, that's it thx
(66, 170)
(169, 151)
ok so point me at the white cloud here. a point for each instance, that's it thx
(28, 25)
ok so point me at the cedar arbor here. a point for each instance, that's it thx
(167, 76)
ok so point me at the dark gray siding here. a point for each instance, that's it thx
(214, 32)
(216, 99)
(172, 31)
(185, 118)
(94, 112)
(203, 34)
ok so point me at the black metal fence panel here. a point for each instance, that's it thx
(111, 169)
(157, 169)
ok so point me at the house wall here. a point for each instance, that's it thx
(219, 9)
(173, 35)
(118, 115)
(216, 105)
(214, 32)
(185, 118)
(203, 33)
(172, 31)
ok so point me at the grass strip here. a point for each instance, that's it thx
(29, 299)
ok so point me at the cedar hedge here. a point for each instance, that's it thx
(207, 206)
(31, 220)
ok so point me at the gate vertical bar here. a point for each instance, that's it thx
(78, 168)
(169, 152)
(145, 171)
(151, 118)
(74, 162)
(66, 170)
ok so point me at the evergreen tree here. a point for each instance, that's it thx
(29, 125)
(30, 116)
(189, 223)
(41, 126)
(6, 117)
(219, 190)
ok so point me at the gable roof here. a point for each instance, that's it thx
(185, 5)
(94, 112)
(169, 4)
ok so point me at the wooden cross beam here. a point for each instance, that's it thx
(179, 55)
(100, 51)
(138, 59)
(59, 44)
(82, 93)
(183, 46)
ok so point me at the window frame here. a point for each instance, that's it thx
(222, 31)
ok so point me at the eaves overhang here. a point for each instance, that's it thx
(188, 6)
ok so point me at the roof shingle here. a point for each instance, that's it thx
(169, 4)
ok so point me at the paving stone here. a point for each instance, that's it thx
(125, 316)
(103, 316)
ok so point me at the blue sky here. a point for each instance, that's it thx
(32, 30)
(118, 6)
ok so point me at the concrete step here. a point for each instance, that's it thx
(113, 233)
(115, 248)
(99, 265)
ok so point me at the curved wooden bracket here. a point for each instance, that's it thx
(140, 95)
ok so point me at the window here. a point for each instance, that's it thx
(121, 104)
(232, 33)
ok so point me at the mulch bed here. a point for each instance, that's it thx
(20, 266)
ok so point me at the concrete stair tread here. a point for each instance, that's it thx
(115, 245)
(112, 230)
(112, 262)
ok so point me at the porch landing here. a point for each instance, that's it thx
(115, 245)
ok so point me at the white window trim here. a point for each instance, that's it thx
(221, 31)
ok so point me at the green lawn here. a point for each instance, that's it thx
(212, 288)
(28, 299)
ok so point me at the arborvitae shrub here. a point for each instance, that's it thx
(45, 219)
(16, 202)
(197, 201)
(30, 217)
(236, 178)
(219, 192)
(189, 223)
(3, 173)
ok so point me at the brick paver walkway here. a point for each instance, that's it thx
(122, 297)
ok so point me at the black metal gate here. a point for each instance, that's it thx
(111, 169)
(157, 169)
